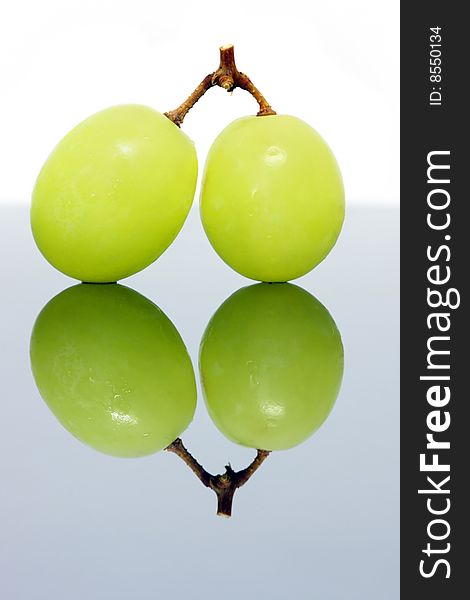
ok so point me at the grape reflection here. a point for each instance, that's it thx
(271, 364)
(113, 369)
(116, 374)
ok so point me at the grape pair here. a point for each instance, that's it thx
(115, 371)
(115, 192)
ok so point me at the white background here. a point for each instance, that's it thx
(334, 64)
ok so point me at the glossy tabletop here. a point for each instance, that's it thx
(320, 520)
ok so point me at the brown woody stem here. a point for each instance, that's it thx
(227, 77)
(223, 485)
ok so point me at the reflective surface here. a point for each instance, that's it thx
(317, 521)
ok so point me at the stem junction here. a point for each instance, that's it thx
(228, 77)
(223, 485)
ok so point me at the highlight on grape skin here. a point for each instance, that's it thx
(271, 365)
(272, 197)
(113, 369)
(114, 193)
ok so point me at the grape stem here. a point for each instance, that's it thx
(224, 485)
(228, 77)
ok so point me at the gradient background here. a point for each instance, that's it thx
(319, 521)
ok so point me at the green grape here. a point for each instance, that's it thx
(114, 194)
(272, 198)
(271, 363)
(113, 369)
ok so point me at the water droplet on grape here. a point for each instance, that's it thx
(274, 156)
(273, 410)
(123, 418)
(253, 372)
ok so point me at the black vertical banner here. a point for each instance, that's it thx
(435, 259)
